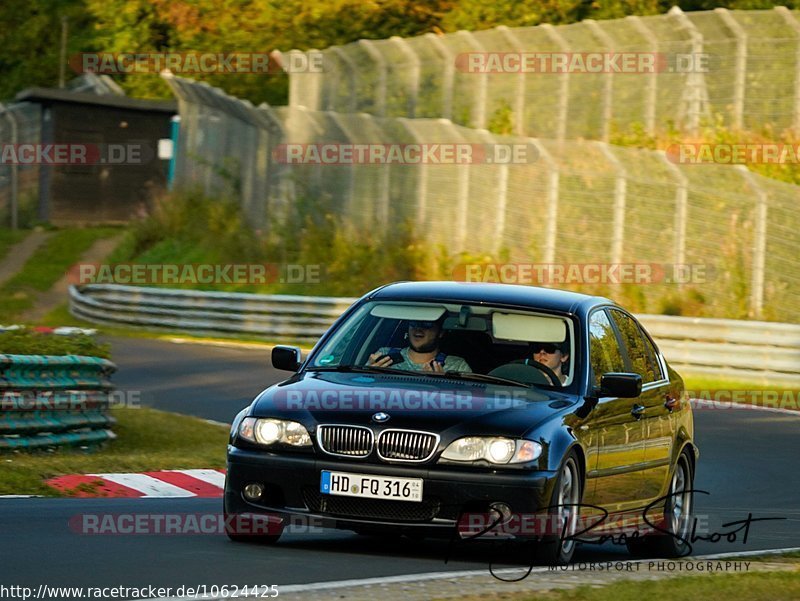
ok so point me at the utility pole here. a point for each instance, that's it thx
(63, 53)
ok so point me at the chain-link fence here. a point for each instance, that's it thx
(571, 202)
(682, 68)
(20, 123)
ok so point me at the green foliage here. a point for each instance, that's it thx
(353, 262)
(190, 223)
(30, 342)
(502, 120)
(714, 131)
(189, 228)
(682, 301)
(29, 54)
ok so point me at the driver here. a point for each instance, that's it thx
(552, 354)
(422, 352)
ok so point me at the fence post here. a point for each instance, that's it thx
(620, 191)
(351, 69)
(462, 206)
(422, 182)
(501, 197)
(552, 202)
(608, 88)
(563, 97)
(351, 178)
(681, 209)
(448, 75)
(519, 101)
(479, 105)
(652, 80)
(310, 124)
(759, 245)
(380, 85)
(741, 64)
(310, 80)
(415, 67)
(793, 23)
(382, 213)
(14, 167)
(695, 98)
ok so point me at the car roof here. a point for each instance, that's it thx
(502, 294)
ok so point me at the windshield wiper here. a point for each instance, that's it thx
(468, 375)
(365, 369)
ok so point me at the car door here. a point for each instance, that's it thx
(657, 430)
(617, 450)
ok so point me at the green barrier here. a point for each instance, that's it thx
(48, 401)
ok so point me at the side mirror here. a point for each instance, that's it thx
(626, 386)
(286, 358)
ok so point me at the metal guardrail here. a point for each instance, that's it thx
(54, 401)
(760, 351)
(717, 348)
(278, 317)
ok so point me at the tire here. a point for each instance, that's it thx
(677, 515)
(567, 491)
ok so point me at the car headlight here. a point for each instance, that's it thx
(492, 449)
(269, 431)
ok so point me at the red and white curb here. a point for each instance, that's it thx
(201, 483)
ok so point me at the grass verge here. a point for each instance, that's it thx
(760, 586)
(148, 440)
(48, 264)
(29, 342)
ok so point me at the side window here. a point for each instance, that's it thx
(653, 357)
(640, 351)
(604, 350)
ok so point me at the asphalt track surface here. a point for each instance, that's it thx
(748, 463)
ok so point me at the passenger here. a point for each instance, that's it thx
(552, 354)
(422, 352)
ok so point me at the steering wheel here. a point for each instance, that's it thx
(554, 379)
(517, 371)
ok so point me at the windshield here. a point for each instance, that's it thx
(529, 347)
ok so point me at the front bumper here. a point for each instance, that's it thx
(292, 484)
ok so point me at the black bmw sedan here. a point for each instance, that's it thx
(442, 408)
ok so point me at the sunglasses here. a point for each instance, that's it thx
(547, 348)
(426, 325)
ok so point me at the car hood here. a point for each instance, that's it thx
(428, 403)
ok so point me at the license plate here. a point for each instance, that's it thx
(371, 487)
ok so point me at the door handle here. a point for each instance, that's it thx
(637, 411)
